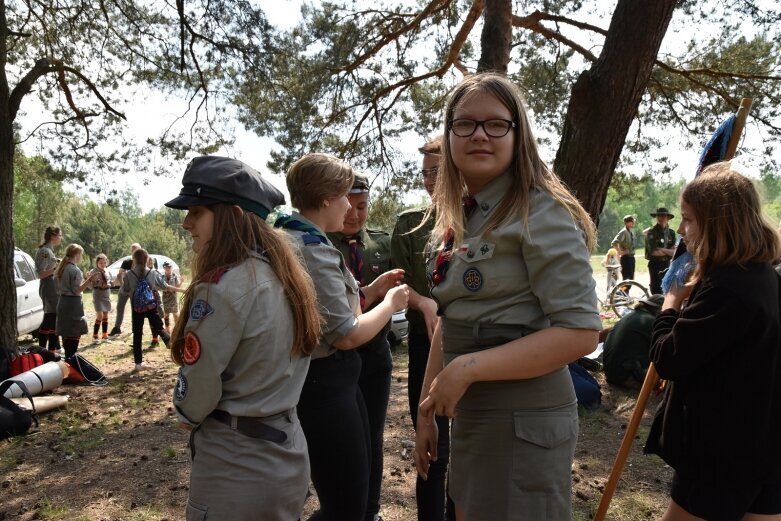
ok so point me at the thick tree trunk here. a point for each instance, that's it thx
(7, 287)
(605, 99)
(496, 37)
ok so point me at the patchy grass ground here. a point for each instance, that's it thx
(115, 452)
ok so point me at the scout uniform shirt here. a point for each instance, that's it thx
(238, 344)
(659, 237)
(408, 253)
(534, 274)
(45, 260)
(337, 290)
(626, 240)
(375, 249)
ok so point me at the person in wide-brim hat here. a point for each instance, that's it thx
(662, 211)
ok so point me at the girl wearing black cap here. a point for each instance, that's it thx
(248, 325)
(332, 409)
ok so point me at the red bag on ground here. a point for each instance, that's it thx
(25, 362)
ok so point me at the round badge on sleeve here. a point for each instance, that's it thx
(192, 348)
(473, 279)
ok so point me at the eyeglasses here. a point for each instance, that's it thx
(430, 172)
(491, 127)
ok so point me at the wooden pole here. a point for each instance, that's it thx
(651, 376)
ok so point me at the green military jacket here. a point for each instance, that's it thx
(408, 253)
(658, 237)
(375, 247)
(626, 240)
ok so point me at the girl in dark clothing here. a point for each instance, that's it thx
(720, 421)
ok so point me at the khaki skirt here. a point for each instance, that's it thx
(512, 442)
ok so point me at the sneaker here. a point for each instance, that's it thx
(105, 338)
(154, 344)
(115, 332)
(139, 367)
(95, 339)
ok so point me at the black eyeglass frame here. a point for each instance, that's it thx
(479, 123)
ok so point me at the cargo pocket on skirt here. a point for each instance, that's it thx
(543, 449)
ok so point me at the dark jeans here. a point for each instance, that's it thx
(374, 384)
(333, 417)
(155, 324)
(656, 269)
(627, 266)
(433, 503)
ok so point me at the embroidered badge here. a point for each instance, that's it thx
(200, 309)
(377, 255)
(484, 249)
(192, 348)
(375, 268)
(473, 279)
(181, 387)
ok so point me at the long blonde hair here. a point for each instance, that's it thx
(236, 236)
(71, 251)
(528, 170)
(732, 229)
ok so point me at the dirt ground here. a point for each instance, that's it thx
(115, 451)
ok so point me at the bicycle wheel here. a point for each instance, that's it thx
(625, 295)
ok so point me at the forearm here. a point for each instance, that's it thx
(46, 273)
(369, 324)
(435, 362)
(530, 356)
(417, 301)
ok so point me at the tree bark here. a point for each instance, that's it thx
(496, 37)
(605, 99)
(7, 288)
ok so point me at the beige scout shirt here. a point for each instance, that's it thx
(244, 326)
(535, 276)
(337, 290)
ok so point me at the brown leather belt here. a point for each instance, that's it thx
(252, 427)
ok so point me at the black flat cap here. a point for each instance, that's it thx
(360, 184)
(662, 211)
(210, 180)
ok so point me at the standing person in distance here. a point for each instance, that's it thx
(408, 246)
(332, 409)
(170, 298)
(659, 248)
(101, 296)
(45, 266)
(512, 278)
(624, 242)
(717, 341)
(367, 254)
(71, 323)
(123, 297)
(243, 348)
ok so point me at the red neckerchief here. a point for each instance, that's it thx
(443, 259)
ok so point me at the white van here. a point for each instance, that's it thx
(29, 307)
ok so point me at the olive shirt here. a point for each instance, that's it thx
(535, 274)
(337, 290)
(625, 239)
(659, 237)
(375, 247)
(244, 325)
(44, 261)
(408, 253)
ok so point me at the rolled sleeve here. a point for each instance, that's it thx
(558, 265)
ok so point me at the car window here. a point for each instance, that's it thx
(23, 268)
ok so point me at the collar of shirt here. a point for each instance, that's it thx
(303, 219)
(492, 194)
(361, 235)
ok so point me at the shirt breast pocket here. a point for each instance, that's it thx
(378, 262)
(472, 265)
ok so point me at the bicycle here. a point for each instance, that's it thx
(625, 294)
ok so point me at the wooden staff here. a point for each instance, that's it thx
(651, 376)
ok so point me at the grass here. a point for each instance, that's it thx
(50, 511)
(147, 513)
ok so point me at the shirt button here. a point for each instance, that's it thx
(484, 207)
(470, 254)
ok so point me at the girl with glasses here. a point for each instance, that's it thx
(510, 273)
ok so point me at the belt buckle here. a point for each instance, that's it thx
(234, 422)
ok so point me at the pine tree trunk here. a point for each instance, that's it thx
(496, 37)
(605, 99)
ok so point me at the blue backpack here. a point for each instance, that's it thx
(143, 298)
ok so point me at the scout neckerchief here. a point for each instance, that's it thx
(291, 223)
(356, 257)
(443, 259)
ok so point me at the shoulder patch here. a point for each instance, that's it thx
(309, 239)
(200, 309)
(192, 349)
(214, 276)
(181, 387)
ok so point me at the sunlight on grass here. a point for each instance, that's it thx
(147, 513)
(52, 512)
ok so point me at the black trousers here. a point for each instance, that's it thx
(333, 417)
(374, 384)
(432, 501)
(656, 269)
(46, 332)
(155, 324)
(627, 266)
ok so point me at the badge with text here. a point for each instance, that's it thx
(192, 348)
(473, 279)
(200, 309)
(181, 387)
